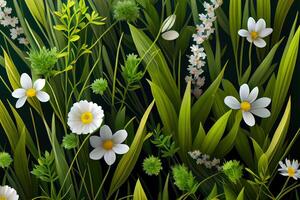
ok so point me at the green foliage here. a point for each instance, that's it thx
(43, 61)
(70, 141)
(45, 170)
(152, 165)
(131, 73)
(126, 10)
(5, 160)
(184, 179)
(99, 86)
(233, 170)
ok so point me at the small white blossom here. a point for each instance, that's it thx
(290, 169)
(6, 192)
(167, 33)
(2, 3)
(15, 32)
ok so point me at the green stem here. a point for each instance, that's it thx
(250, 54)
(282, 190)
(102, 183)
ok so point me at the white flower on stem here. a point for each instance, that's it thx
(167, 33)
(290, 169)
(8, 193)
(256, 32)
(85, 117)
(2, 3)
(108, 145)
(7, 10)
(30, 90)
(249, 104)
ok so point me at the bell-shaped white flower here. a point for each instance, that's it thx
(108, 145)
(167, 33)
(85, 117)
(8, 193)
(256, 32)
(249, 104)
(30, 90)
(290, 169)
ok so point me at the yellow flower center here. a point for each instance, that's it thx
(254, 35)
(291, 171)
(87, 117)
(3, 198)
(30, 93)
(245, 106)
(108, 144)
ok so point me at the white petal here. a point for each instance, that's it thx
(248, 118)
(265, 32)
(243, 33)
(170, 35)
(249, 39)
(121, 148)
(119, 136)
(168, 23)
(95, 141)
(105, 132)
(39, 84)
(251, 24)
(18, 93)
(244, 92)
(97, 154)
(260, 25)
(232, 102)
(261, 103)
(261, 112)
(21, 102)
(26, 81)
(253, 95)
(260, 43)
(42, 96)
(110, 157)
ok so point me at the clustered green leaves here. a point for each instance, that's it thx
(152, 165)
(45, 170)
(126, 10)
(184, 179)
(99, 86)
(43, 60)
(5, 160)
(233, 170)
(70, 141)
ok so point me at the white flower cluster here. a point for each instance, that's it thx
(204, 159)
(197, 59)
(7, 20)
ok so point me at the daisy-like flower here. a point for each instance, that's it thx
(256, 32)
(108, 145)
(8, 193)
(167, 33)
(30, 90)
(290, 169)
(85, 117)
(249, 104)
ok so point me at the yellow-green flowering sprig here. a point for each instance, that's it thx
(5, 160)
(131, 73)
(233, 170)
(152, 165)
(70, 141)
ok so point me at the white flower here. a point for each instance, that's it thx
(249, 105)
(7, 10)
(23, 40)
(290, 169)
(30, 90)
(15, 32)
(3, 3)
(8, 193)
(108, 145)
(255, 32)
(85, 117)
(168, 34)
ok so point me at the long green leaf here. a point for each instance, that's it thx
(139, 193)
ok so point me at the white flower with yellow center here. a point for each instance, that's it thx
(85, 117)
(290, 169)
(256, 31)
(108, 145)
(8, 193)
(30, 90)
(249, 104)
